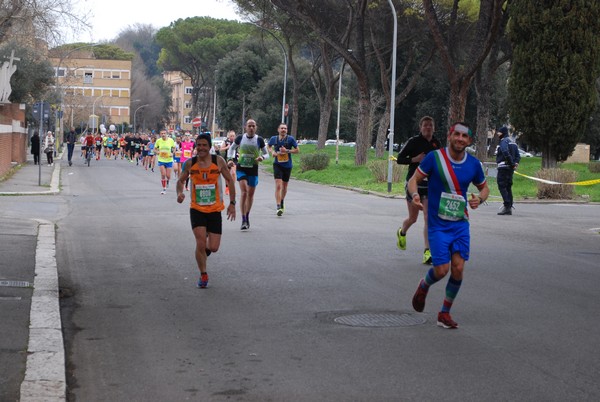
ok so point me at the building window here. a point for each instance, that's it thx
(61, 72)
(188, 105)
(87, 78)
(116, 74)
(187, 120)
(188, 90)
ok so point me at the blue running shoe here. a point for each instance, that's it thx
(203, 281)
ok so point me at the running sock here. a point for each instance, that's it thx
(429, 280)
(164, 183)
(452, 288)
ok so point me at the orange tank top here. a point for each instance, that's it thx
(207, 194)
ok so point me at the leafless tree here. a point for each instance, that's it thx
(50, 20)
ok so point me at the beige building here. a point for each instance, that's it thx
(180, 118)
(93, 87)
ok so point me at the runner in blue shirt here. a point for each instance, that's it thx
(282, 147)
(450, 172)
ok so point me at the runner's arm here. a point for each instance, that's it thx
(413, 185)
(181, 181)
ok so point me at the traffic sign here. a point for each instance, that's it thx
(196, 122)
(41, 110)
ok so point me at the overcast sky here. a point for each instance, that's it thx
(107, 23)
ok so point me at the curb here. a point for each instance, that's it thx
(45, 377)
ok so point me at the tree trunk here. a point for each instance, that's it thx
(548, 157)
(294, 108)
(325, 109)
(382, 132)
(362, 124)
(484, 93)
(458, 100)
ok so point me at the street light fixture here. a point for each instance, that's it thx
(285, 68)
(134, 114)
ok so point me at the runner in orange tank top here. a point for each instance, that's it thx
(205, 172)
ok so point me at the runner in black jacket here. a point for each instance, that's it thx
(412, 154)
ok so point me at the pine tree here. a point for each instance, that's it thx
(556, 60)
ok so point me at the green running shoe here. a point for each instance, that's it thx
(427, 257)
(401, 243)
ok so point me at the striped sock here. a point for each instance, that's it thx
(429, 279)
(452, 289)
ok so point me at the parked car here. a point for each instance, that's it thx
(330, 142)
(525, 154)
(349, 144)
(218, 141)
(522, 152)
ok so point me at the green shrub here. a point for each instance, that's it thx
(556, 191)
(379, 168)
(315, 161)
(594, 167)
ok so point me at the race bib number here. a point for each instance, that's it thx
(98, 143)
(246, 161)
(187, 153)
(165, 154)
(282, 158)
(177, 154)
(206, 194)
(452, 207)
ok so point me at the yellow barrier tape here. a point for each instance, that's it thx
(393, 158)
(578, 183)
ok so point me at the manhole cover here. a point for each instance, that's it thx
(381, 320)
(15, 284)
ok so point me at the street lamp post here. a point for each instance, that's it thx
(214, 116)
(393, 99)
(134, 115)
(337, 128)
(285, 68)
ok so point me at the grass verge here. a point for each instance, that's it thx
(344, 173)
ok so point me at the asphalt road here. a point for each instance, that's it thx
(137, 328)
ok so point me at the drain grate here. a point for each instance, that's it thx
(381, 320)
(15, 284)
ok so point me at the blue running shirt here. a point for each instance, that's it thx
(466, 171)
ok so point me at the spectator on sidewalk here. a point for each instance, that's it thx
(35, 147)
(49, 148)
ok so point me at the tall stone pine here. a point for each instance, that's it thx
(556, 60)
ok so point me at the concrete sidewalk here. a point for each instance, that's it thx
(30, 179)
(31, 344)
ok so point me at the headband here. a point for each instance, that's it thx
(461, 128)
